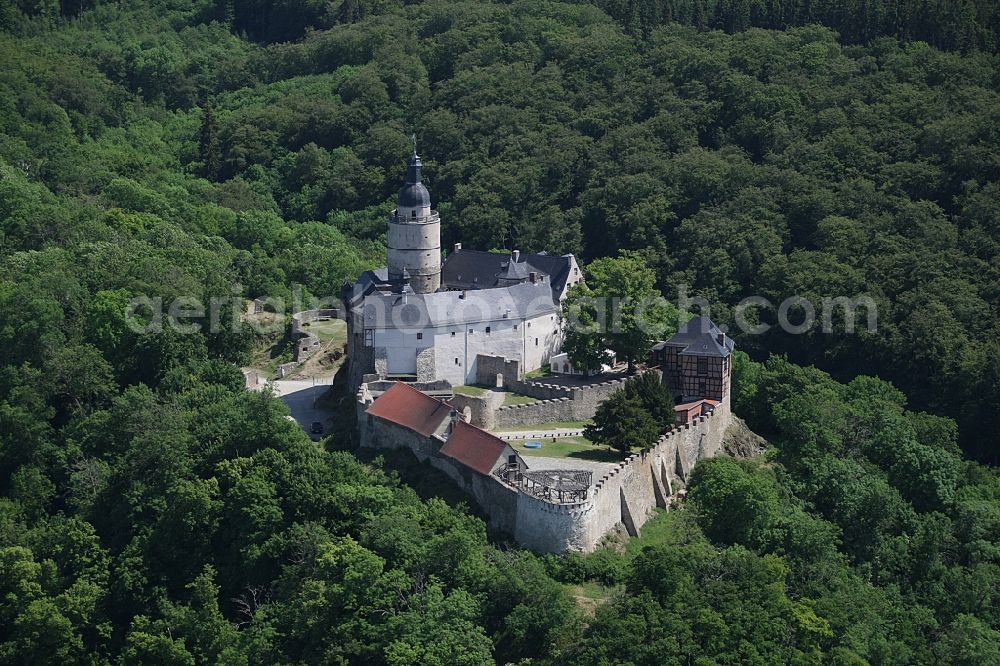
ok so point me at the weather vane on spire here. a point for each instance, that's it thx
(413, 138)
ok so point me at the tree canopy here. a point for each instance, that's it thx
(153, 511)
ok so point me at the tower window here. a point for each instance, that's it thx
(487, 329)
(413, 213)
(536, 342)
(456, 360)
(420, 336)
(453, 334)
(471, 331)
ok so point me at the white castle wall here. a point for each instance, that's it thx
(452, 352)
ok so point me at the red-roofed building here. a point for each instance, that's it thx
(407, 407)
(688, 411)
(479, 450)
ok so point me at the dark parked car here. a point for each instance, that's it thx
(317, 428)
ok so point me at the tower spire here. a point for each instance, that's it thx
(414, 165)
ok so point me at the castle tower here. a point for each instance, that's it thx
(415, 235)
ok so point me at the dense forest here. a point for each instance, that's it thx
(155, 512)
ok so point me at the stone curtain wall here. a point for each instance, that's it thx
(307, 344)
(497, 500)
(543, 411)
(482, 408)
(488, 367)
(627, 494)
(555, 402)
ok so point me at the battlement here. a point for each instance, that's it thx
(576, 519)
(555, 402)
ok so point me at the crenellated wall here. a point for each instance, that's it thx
(555, 402)
(627, 494)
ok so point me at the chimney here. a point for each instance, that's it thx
(533, 276)
(515, 255)
(458, 247)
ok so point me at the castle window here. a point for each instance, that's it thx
(471, 331)
(515, 327)
(413, 213)
(420, 336)
(456, 360)
(369, 337)
(536, 342)
(702, 366)
(487, 329)
(453, 334)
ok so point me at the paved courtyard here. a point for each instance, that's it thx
(301, 395)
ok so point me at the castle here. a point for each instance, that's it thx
(489, 319)
(558, 504)
(419, 319)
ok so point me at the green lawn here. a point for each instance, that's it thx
(544, 371)
(468, 390)
(569, 447)
(331, 330)
(512, 398)
(549, 425)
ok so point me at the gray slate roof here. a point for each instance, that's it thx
(414, 194)
(448, 308)
(700, 337)
(473, 269)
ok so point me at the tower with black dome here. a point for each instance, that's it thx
(415, 235)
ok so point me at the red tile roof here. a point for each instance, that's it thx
(688, 406)
(475, 448)
(408, 407)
